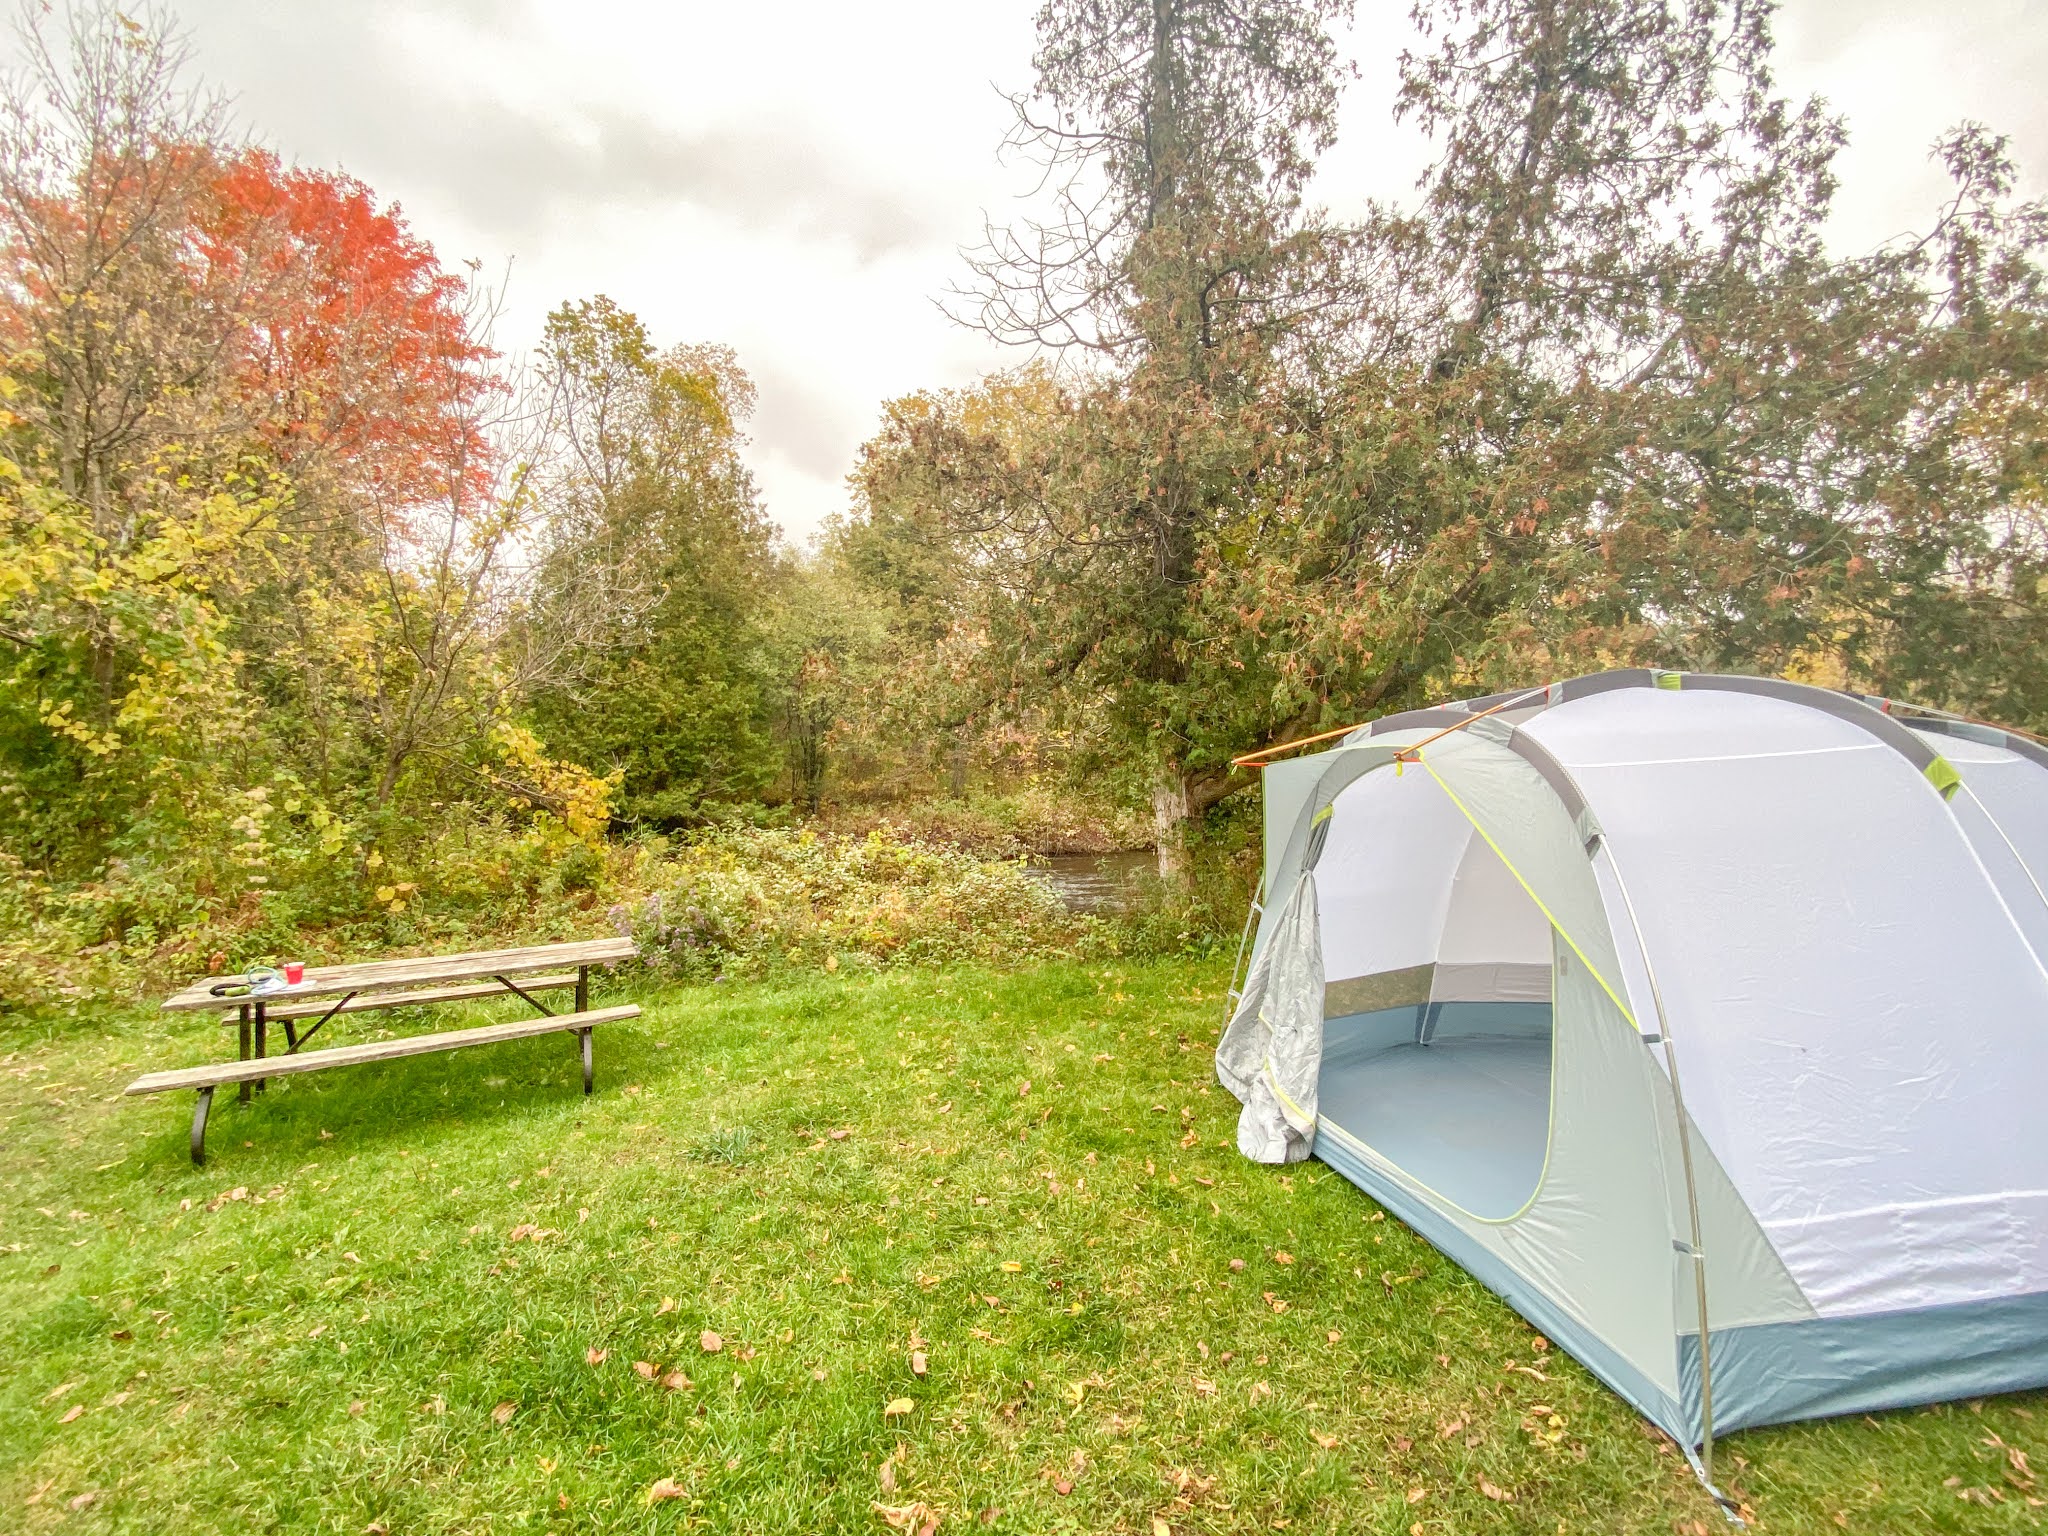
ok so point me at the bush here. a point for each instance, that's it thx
(739, 901)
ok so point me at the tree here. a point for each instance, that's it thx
(657, 565)
(1177, 136)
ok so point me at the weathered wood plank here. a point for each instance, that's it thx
(425, 970)
(374, 1000)
(376, 1050)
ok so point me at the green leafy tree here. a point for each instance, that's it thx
(649, 598)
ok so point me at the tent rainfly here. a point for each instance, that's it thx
(1679, 1007)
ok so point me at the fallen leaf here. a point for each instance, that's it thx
(668, 1304)
(901, 1518)
(1497, 1494)
(72, 1412)
(676, 1381)
(1417, 1495)
(841, 1134)
(56, 1392)
(1327, 1442)
(1334, 1336)
(504, 1411)
(1237, 1266)
(1024, 1088)
(917, 1362)
(83, 1499)
(1282, 1256)
(595, 1356)
(664, 1488)
(647, 1369)
(887, 1476)
(1274, 1302)
(355, 1409)
(1160, 1527)
(897, 1408)
(710, 1342)
(1012, 1267)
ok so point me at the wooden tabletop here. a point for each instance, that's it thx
(383, 975)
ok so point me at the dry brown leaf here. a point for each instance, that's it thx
(1417, 1495)
(1274, 1302)
(1497, 1494)
(664, 1488)
(676, 1381)
(1237, 1266)
(902, 1518)
(1282, 1256)
(59, 1391)
(918, 1362)
(1327, 1442)
(71, 1413)
(668, 1305)
(887, 1476)
(1160, 1527)
(83, 1499)
(898, 1407)
(710, 1342)
(504, 1411)
(355, 1409)
(841, 1134)
(1334, 1336)
(594, 1356)
(647, 1369)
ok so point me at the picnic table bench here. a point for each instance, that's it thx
(326, 992)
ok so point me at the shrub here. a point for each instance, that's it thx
(741, 900)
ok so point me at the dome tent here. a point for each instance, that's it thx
(1676, 1006)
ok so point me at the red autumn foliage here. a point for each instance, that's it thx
(358, 351)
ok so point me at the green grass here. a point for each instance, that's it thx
(313, 1332)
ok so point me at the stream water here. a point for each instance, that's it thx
(1093, 882)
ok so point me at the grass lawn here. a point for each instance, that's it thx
(429, 1296)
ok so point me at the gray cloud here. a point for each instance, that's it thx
(800, 424)
(351, 97)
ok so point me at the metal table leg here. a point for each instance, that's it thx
(199, 1126)
(261, 1083)
(585, 1035)
(242, 1093)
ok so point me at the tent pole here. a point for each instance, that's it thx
(1699, 1257)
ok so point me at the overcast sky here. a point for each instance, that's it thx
(796, 179)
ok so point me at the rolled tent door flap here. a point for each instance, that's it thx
(1271, 1056)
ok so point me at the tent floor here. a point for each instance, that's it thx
(1467, 1115)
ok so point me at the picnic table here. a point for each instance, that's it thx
(329, 991)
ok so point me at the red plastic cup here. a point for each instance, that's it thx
(294, 972)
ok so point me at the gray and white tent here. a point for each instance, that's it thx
(1673, 1007)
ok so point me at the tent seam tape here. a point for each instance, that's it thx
(1563, 933)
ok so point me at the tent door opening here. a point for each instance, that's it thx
(1443, 1068)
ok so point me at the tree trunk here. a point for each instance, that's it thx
(1170, 820)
